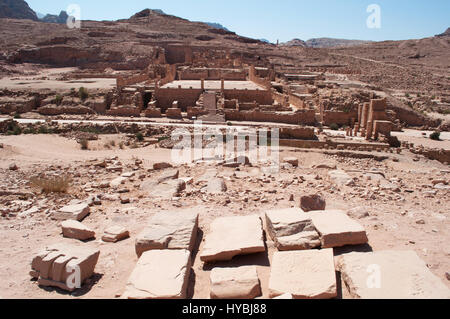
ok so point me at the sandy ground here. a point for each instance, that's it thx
(391, 224)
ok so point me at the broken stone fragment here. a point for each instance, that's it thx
(76, 230)
(291, 229)
(168, 175)
(66, 266)
(235, 283)
(390, 275)
(162, 165)
(13, 167)
(117, 181)
(312, 202)
(160, 274)
(72, 212)
(232, 236)
(291, 160)
(114, 234)
(169, 230)
(336, 229)
(306, 274)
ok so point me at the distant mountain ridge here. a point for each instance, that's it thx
(324, 43)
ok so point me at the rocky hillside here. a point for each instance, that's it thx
(16, 9)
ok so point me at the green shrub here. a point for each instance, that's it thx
(58, 99)
(83, 93)
(229, 124)
(436, 136)
(17, 115)
(139, 136)
(334, 127)
(84, 144)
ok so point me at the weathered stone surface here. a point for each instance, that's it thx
(216, 186)
(160, 274)
(76, 230)
(13, 167)
(165, 190)
(169, 230)
(307, 274)
(291, 229)
(235, 283)
(336, 229)
(72, 212)
(115, 233)
(402, 275)
(168, 175)
(232, 236)
(118, 181)
(312, 202)
(284, 297)
(340, 177)
(291, 160)
(55, 265)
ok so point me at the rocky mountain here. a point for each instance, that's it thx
(216, 25)
(53, 18)
(295, 43)
(16, 9)
(445, 34)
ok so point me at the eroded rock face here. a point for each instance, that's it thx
(169, 230)
(291, 229)
(160, 274)
(232, 236)
(390, 275)
(308, 274)
(59, 264)
(235, 283)
(336, 229)
(76, 230)
(72, 212)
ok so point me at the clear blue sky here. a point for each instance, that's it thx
(283, 19)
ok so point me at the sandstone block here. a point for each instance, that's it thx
(390, 275)
(291, 160)
(312, 202)
(232, 236)
(169, 230)
(336, 229)
(115, 233)
(64, 266)
(72, 212)
(307, 274)
(75, 229)
(160, 274)
(292, 229)
(235, 283)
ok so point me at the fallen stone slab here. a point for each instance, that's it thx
(216, 186)
(66, 266)
(168, 175)
(232, 236)
(169, 230)
(312, 202)
(306, 274)
(389, 275)
(165, 190)
(76, 230)
(117, 181)
(114, 234)
(235, 283)
(336, 229)
(291, 229)
(72, 212)
(160, 274)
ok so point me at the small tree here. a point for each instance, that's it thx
(139, 136)
(334, 127)
(83, 93)
(436, 136)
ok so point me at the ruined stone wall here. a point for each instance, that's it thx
(124, 111)
(122, 81)
(260, 81)
(259, 96)
(213, 74)
(340, 118)
(280, 98)
(185, 97)
(297, 101)
(306, 117)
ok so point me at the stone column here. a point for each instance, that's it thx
(365, 115)
(203, 84)
(222, 85)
